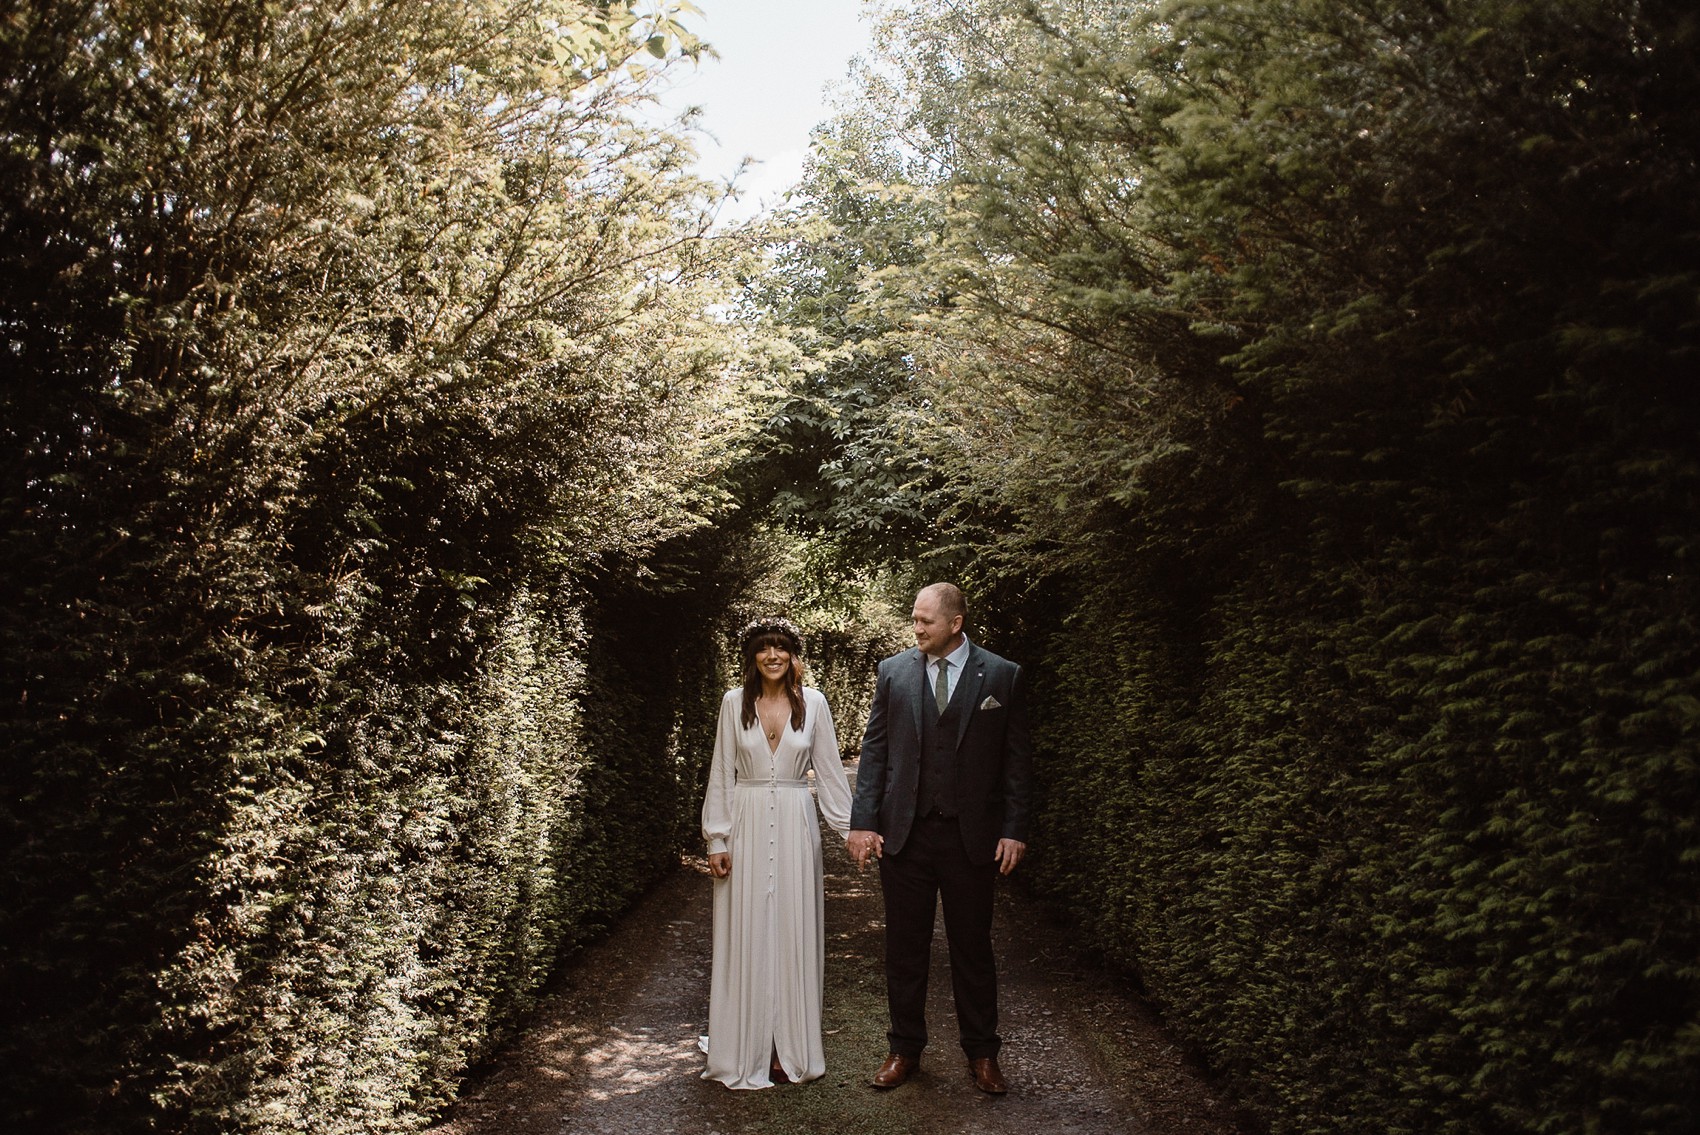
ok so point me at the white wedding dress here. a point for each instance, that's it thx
(769, 938)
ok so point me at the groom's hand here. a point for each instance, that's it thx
(1010, 852)
(862, 844)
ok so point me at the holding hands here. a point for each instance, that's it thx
(863, 844)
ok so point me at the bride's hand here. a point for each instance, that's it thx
(864, 844)
(720, 864)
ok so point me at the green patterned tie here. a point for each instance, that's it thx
(941, 691)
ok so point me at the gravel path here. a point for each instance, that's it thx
(613, 1050)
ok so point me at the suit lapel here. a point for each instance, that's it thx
(968, 689)
(917, 685)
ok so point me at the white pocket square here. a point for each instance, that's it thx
(991, 703)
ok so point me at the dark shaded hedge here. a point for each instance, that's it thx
(1379, 761)
(1416, 847)
(212, 929)
(1361, 475)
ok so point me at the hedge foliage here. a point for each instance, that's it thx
(1303, 388)
(357, 411)
(1314, 385)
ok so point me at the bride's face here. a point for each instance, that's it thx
(774, 663)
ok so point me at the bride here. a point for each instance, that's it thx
(764, 851)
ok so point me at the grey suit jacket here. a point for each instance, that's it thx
(992, 741)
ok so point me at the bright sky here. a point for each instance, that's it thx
(766, 91)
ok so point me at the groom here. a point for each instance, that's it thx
(941, 802)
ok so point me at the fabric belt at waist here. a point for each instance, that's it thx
(773, 783)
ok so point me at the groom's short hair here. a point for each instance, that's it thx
(949, 598)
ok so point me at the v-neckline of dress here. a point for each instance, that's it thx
(774, 744)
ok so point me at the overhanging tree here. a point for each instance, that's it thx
(344, 343)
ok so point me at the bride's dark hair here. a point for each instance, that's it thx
(783, 634)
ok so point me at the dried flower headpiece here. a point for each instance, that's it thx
(771, 624)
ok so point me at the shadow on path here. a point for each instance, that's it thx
(613, 1046)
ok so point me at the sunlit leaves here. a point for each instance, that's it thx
(1348, 499)
(353, 351)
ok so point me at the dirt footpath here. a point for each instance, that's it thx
(613, 1048)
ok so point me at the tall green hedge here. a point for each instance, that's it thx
(335, 930)
(1419, 846)
(354, 419)
(1313, 379)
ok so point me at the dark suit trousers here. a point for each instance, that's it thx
(934, 866)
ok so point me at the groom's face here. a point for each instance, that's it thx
(934, 632)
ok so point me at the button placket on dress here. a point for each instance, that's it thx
(773, 819)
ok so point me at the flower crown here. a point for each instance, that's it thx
(771, 624)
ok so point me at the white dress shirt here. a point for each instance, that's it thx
(957, 658)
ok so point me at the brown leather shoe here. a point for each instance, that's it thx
(895, 1070)
(986, 1075)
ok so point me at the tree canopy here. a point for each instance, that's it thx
(357, 362)
(1311, 380)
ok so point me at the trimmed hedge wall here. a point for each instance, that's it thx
(1412, 844)
(237, 933)
(1316, 378)
(358, 408)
